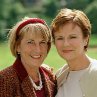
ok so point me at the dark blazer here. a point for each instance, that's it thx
(15, 82)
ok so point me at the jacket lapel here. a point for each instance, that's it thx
(27, 88)
(26, 85)
(47, 83)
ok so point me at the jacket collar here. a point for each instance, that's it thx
(20, 70)
(26, 84)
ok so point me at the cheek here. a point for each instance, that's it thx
(58, 47)
(45, 49)
(79, 45)
(76, 42)
(25, 50)
(58, 44)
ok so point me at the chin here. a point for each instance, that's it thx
(67, 58)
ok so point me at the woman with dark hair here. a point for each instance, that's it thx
(71, 30)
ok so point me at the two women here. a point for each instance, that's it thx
(30, 42)
(71, 30)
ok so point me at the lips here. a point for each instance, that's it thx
(36, 56)
(67, 51)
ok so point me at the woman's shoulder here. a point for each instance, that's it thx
(47, 67)
(48, 71)
(93, 63)
(61, 70)
(92, 60)
(50, 76)
(7, 73)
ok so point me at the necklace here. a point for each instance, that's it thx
(39, 87)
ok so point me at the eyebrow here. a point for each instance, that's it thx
(30, 40)
(58, 36)
(34, 40)
(73, 34)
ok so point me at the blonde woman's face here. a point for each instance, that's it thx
(33, 49)
(69, 42)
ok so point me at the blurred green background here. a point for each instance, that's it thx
(11, 11)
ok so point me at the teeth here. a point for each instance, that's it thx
(36, 56)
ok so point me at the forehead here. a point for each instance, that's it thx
(69, 28)
(32, 31)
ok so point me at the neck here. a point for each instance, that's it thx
(79, 63)
(33, 72)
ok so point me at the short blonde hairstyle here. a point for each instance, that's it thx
(15, 36)
(75, 16)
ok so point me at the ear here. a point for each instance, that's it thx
(86, 40)
(18, 49)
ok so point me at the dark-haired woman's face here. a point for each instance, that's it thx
(69, 41)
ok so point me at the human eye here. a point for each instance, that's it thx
(30, 42)
(73, 37)
(43, 42)
(59, 38)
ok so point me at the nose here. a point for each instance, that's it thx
(37, 48)
(66, 42)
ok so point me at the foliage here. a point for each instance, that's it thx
(77, 4)
(91, 11)
(12, 11)
(93, 40)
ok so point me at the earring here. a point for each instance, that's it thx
(18, 53)
(85, 43)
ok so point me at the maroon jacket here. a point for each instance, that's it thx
(15, 82)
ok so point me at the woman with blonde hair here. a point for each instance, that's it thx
(30, 42)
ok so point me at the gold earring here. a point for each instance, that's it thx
(18, 53)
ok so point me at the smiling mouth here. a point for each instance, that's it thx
(36, 56)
